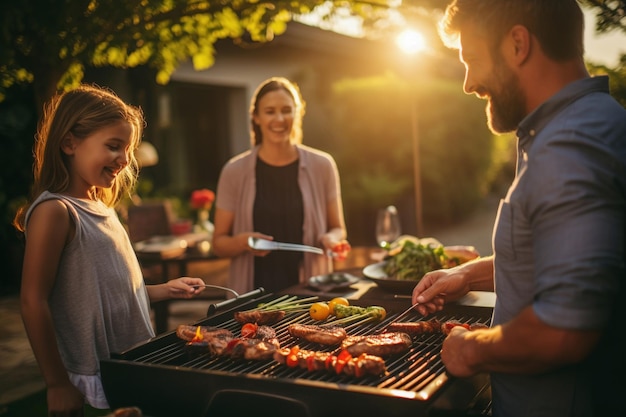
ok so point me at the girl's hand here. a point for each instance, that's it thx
(185, 287)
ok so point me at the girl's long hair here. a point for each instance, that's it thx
(80, 113)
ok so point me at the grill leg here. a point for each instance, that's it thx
(161, 316)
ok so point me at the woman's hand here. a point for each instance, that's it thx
(227, 245)
(335, 245)
(255, 252)
(339, 250)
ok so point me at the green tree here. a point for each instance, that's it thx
(460, 159)
(49, 42)
(617, 78)
(610, 14)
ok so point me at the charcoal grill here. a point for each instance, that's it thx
(165, 379)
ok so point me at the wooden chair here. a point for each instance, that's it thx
(149, 219)
(152, 219)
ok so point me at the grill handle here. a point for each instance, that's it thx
(235, 402)
(214, 308)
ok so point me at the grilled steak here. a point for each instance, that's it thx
(324, 335)
(251, 349)
(383, 344)
(199, 333)
(222, 342)
(259, 316)
(265, 333)
(216, 339)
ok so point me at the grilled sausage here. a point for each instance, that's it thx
(343, 363)
(259, 316)
(415, 328)
(449, 325)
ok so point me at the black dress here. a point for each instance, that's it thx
(278, 212)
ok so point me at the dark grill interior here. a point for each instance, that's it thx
(193, 383)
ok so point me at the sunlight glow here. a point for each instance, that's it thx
(411, 41)
(342, 21)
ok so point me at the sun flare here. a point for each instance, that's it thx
(410, 41)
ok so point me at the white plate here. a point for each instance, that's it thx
(376, 273)
(163, 246)
(333, 281)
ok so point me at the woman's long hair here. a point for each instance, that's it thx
(273, 84)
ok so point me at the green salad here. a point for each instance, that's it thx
(414, 260)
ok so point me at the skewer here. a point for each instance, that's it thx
(355, 317)
(218, 287)
(294, 302)
(286, 303)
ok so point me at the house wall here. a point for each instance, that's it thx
(309, 56)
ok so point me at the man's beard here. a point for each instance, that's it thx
(506, 106)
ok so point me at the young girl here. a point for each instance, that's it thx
(83, 294)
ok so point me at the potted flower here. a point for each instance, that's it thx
(202, 201)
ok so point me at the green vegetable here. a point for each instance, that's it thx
(345, 312)
(415, 260)
(342, 311)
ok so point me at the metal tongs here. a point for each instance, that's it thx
(264, 244)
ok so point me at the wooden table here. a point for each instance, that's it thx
(363, 293)
(366, 293)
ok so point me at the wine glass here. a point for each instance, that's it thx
(387, 226)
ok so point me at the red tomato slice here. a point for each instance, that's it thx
(310, 362)
(231, 345)
(343, 358)
(450, 325)
(292, 358)
(249, 330)
(328, 363)
(358, 366)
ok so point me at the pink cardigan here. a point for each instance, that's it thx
(318, 178)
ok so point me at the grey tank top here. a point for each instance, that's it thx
(99, 301)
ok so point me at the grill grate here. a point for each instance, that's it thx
(411, 371)
(417, 374)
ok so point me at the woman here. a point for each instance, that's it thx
(280, 190)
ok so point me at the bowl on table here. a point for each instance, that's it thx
(376, 272)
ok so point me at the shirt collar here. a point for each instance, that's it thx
(542, 115)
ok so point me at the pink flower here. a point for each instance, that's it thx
(202, 199)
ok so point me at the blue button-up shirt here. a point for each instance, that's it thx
(559, 235)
